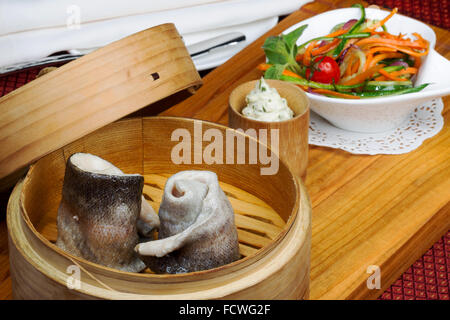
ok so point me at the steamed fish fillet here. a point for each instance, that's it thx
(100, 212)
(197, 229)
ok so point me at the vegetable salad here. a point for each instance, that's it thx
(358, 59)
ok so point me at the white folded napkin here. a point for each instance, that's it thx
(24, 15)
(37, 43)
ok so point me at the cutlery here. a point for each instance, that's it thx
(199, 49)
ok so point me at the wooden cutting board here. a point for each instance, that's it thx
(383, 210)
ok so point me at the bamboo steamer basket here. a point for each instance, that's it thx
(273, 216)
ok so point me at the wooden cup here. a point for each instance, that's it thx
(293, 133)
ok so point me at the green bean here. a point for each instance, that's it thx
(374, 94)
(342, 36)
(353, 29)
(317, 85)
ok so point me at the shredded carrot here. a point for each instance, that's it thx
(369, 58)
(422, 40)
(401, 49)
(381, 49)
(307, 54)
(404, 43)
(384, 34)
(363, 75)
(336, 33)
(304, 88)
(417, 62)
(410, 52)
(355, 66)
(409, 70)
(372, 51)
(291, 74)
(334, 93)
(383, 56)
(390, 76)
(404, 71)
(316, 51)
(349, 43)
(382, 22)
(326, 47)
(265, 66)
(380, 78)
(348, 69)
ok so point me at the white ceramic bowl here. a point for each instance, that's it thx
(383, 113)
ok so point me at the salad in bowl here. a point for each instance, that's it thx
(363, 69)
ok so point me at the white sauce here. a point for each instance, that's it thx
(265, 104)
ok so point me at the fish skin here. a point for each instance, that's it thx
(97, 217)
(197, 228)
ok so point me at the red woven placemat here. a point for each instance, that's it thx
(427, 278)
(435, 12)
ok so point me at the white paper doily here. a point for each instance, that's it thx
(425, 122)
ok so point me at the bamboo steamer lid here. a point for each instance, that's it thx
(89, 93)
